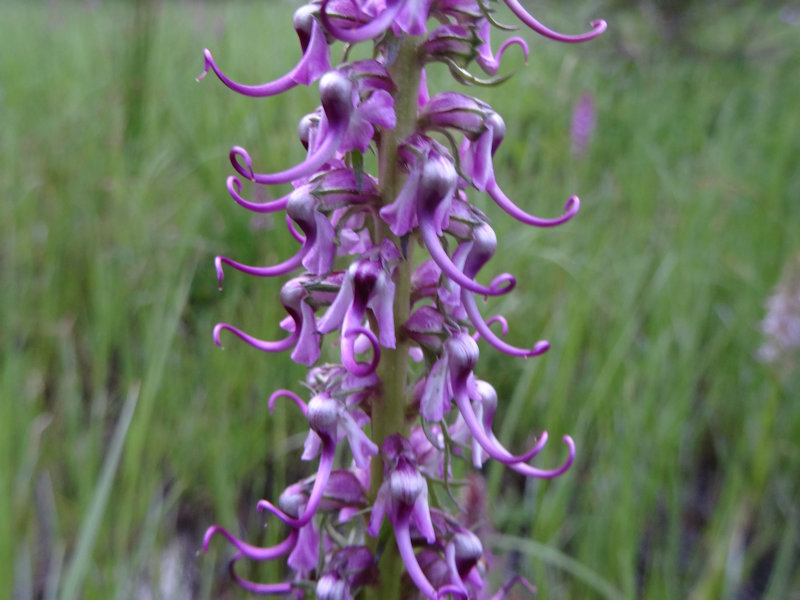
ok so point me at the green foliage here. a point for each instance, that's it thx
(112, 169)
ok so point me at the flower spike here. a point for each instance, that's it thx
(386, 175)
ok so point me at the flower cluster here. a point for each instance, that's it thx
(403, 398)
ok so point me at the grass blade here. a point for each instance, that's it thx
(79, 566)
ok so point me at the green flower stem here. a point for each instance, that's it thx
(389, 409)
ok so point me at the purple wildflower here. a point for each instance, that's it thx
(379, 433)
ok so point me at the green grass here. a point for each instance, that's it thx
(112, 169)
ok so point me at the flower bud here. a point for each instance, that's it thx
(463, 353)
(437, 182)
(336, 95)
(323, 415)
(405, 482)
(484, 243)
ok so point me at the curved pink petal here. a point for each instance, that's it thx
(252, 552)
(279, 346)
(598, 26)
(359, 369)
(257, 588)
(283, 268)
(287, 394)
(571, 208)
(272, 88)
(468, 301)
(402, 536)
(234, 186)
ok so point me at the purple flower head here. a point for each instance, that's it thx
(463, 352)
(330, 418)
(318, 249)
(336, 95)
(436, 189)
(303, 337)
(403, 499)
(367, 285)
(402, 214)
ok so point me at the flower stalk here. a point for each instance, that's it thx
(392, 263)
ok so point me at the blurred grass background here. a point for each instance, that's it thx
(124, 432)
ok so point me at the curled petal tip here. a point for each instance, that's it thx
(217, 328)
(288, 394)
(540, 347)
(207, 538)
(360, 369)
(206, 64)
(572, 206)
(503, 284)
(599, 26)
(247, 169)
(220, 274)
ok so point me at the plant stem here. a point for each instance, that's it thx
(389, 407)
